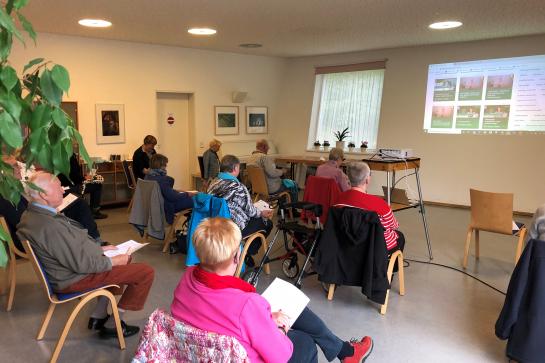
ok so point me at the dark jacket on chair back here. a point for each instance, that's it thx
(522, 319)
(352, 252)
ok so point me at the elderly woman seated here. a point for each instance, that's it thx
(210, 298)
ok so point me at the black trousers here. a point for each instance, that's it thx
(256, 225)
(95, 193)
(80, 212)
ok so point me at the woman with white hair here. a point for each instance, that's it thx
(211, 161)
(208, 297)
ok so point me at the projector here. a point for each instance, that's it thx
(396, 153)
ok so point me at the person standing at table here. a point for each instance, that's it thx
(211, 161)
(142, 156)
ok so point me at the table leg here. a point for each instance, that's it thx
(423, 213)
(388, 189)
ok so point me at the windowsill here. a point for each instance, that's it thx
(356, 151)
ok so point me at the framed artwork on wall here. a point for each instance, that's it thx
(257, 119)
(226, 120)
(110, 124)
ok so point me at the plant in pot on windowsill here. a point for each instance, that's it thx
(317, 145)
(351, 146)
(341, 136)
(363, 146)
(326, 145)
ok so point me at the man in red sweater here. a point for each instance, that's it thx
(359, 175)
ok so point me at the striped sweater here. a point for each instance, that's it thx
(358, 199)
(238, 199)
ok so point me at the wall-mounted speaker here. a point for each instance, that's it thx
(239, 97)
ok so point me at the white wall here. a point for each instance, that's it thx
(451, 164)
(127, 73)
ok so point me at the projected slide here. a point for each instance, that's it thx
(505, 95)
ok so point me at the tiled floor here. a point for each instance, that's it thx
(445, 316)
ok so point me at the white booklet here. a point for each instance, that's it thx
(284, 296)
(125, 248)
(261, 205)
(66, 201)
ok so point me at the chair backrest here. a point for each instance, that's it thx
(201, 165)
(322, 191)
(129, 174)
(38, 268)
(257, 180)
(492, 212)
(165, 339)
(13, 250)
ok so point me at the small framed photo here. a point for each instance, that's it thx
(226, 120)
(257, 119)
(110, 124)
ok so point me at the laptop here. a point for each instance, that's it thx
(397, 196)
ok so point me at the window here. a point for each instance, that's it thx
(347, 99)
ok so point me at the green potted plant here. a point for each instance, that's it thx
(317, 145)
(363, 146)
(326, 145)
(33, 126)
(351, 146)
(341, 136)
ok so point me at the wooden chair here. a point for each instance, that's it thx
(259, 186)
(204, 182)
(12, 264)
(491, 212)
(58, 298)
(170, 235)
(131, 180)
(397, 256)
(248, 242)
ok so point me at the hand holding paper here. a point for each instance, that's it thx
(285, 298)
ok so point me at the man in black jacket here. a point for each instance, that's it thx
(142, 156)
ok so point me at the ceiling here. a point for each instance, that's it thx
(291, 28)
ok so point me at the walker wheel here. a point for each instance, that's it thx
(251, 276)
(290, 267)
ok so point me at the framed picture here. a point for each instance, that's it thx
(257, 119)
(226, 120)
(110, 124)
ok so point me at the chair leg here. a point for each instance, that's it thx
(390, 273)
(45, 323)
(466, 248)
(12, 278)
(115, 312)
(477, 247)
(522, 235)
(169, 237)
(130, 205)
(245, 251)
(331, 292)
(401, 274)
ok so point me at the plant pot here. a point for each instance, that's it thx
(316, 147)
(363, 150)
(326, 147)
(351, 148)
(340, 144)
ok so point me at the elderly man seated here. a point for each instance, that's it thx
(360, 176)
(275, 183)
(332, 169)
(74, 262)
(243, 212)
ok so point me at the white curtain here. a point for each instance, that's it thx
(350, 99)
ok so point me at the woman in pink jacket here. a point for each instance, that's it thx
(210, 298)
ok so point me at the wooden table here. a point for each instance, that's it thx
(389, 166)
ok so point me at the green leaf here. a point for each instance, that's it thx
(60, 76)
(56, 156)
(9, 6)
(10, 131)
(44, 157)
(59, 118)
(49, 89)
(20, 4)
(8, 77)
(27, 26)
(32, 63)
(82, 149)
(35, 140)
(11, 104)
(7, 22)
(41, 112)
(6, 40)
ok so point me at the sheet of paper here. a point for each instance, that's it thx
(66, 201)
(515, 227)
(284, 296)
(261, 205)
(125, 247)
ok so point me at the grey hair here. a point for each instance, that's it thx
(228, 163)
(40, 179)
(336, 154)
(357, 172)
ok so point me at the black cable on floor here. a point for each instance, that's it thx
(455, 269)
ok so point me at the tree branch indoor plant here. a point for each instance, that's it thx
(341, 136)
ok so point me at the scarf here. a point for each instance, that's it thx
(157, 172)
(227, 176)
(216, 282)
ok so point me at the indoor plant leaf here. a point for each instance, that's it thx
(8, 77)
(7, 22)
(49, 89)
(27, 26)
(60, 76)
(10, 131)
(32, 63)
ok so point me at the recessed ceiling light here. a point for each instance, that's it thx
(250, 45)
(202, 31)
(446, 24)
(95, 23)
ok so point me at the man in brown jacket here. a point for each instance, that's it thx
(74, 262)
